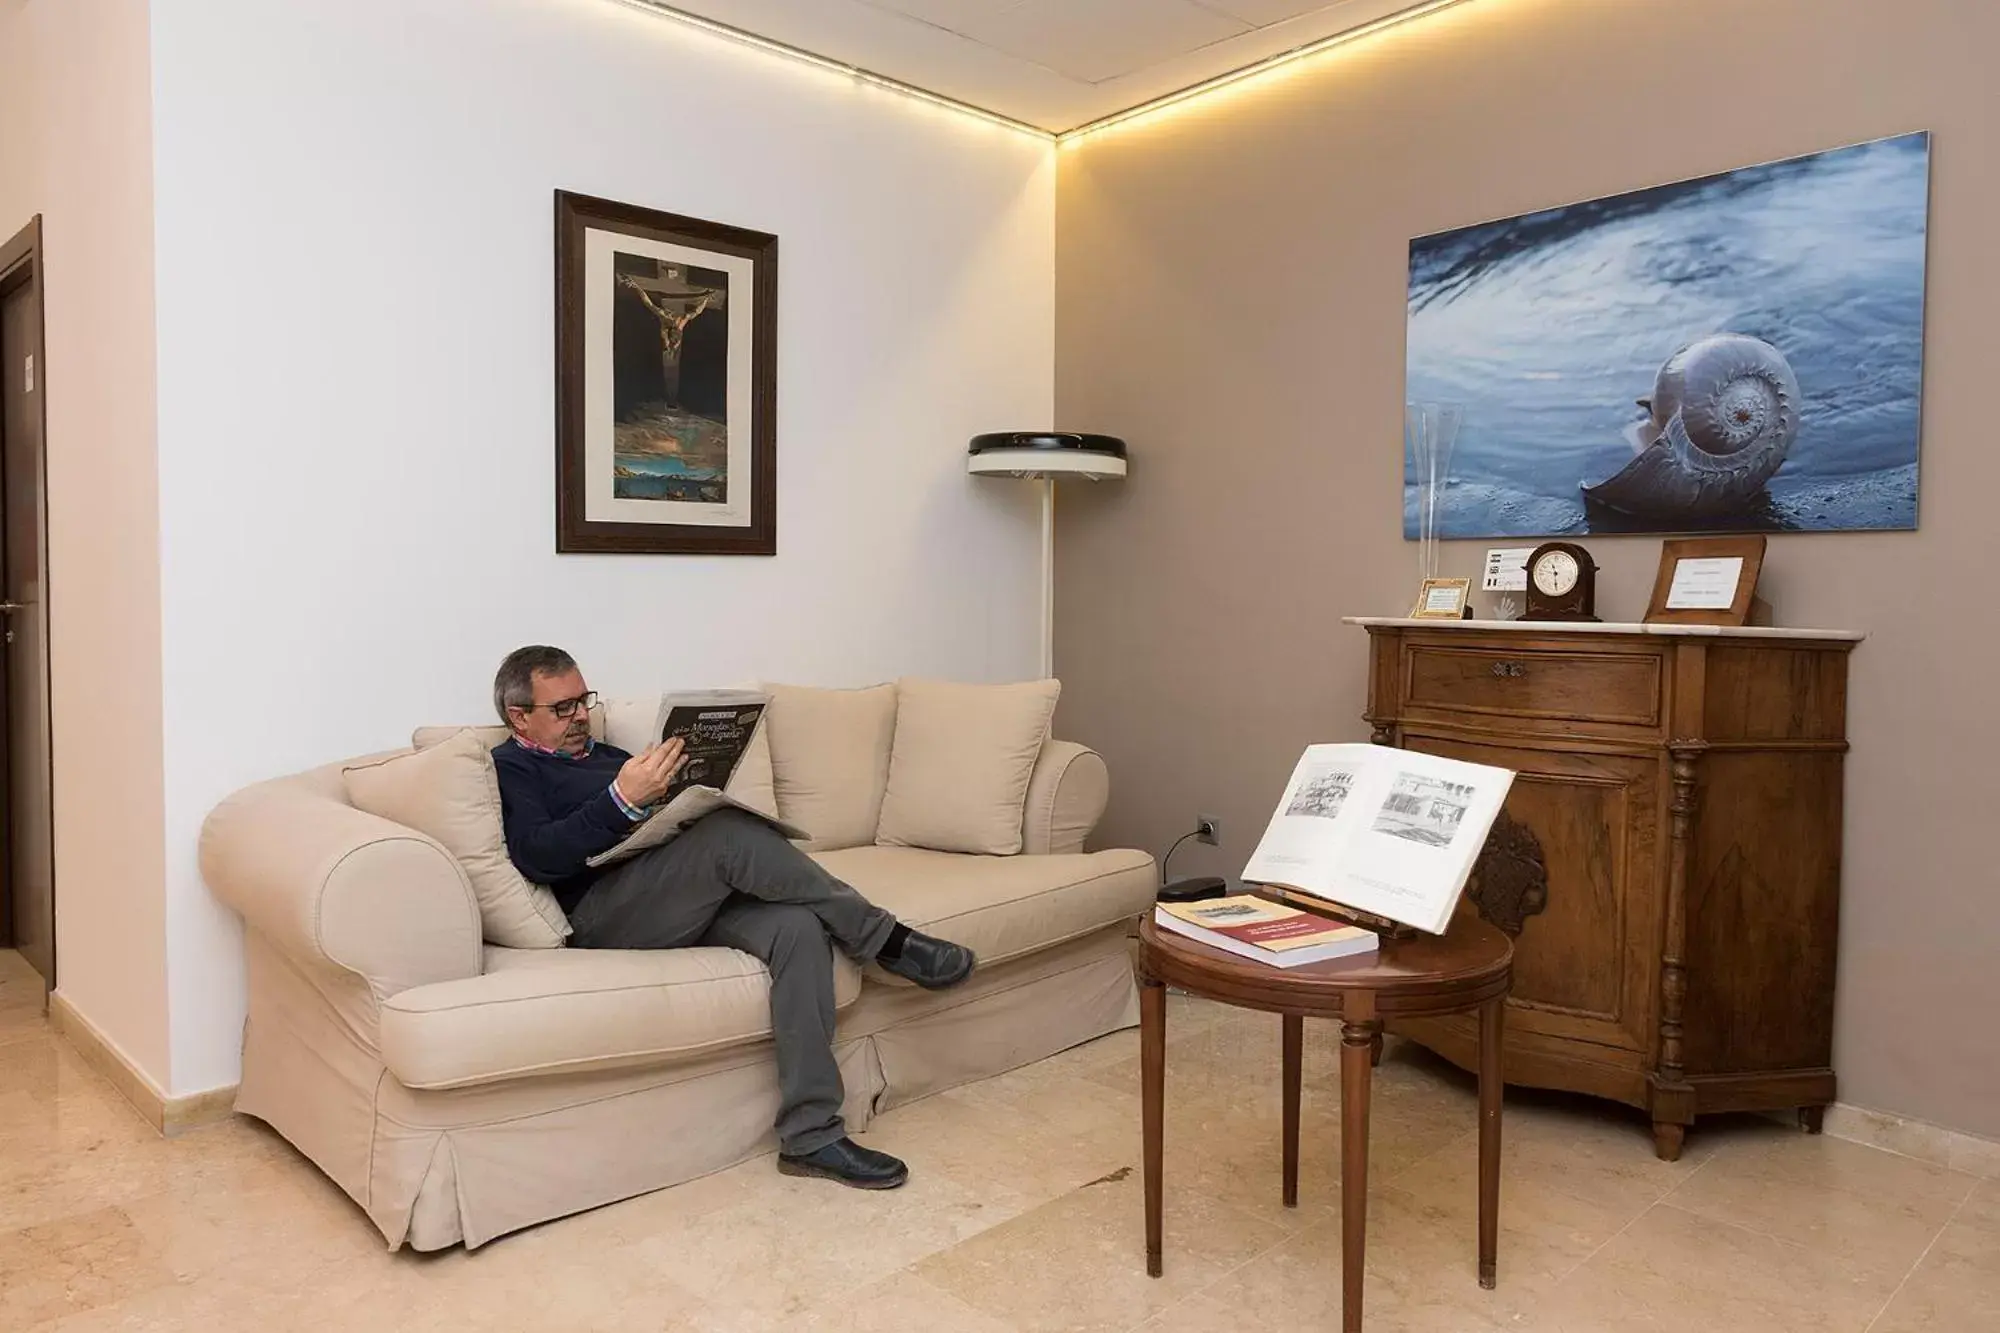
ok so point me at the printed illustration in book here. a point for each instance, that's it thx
(1385, 831)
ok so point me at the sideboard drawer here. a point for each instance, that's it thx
(1621, 689)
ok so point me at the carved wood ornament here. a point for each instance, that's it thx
(1511, 877)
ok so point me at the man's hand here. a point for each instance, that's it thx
(644, 778)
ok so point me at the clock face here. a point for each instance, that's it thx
(1555, 573)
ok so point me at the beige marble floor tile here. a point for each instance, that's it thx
(52, 1102)
(1078, 1264)
(240, 1296)
(1000, 1149)
(22, 1003)
(791, 1246)
(1956, 1285)
(1976, 1157)
(1229, 1074)
(121, 1171)
(1555, 1149)
(1061, 1101)
(1675, 1272)
(1872, 1209)
(1297, 1285)
(105, 1226)
(556, 1286)
(281, 1208)
(1216, 1150)
(43, 1064)
(76, 1264)
(901, 1303)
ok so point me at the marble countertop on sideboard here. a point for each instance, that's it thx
(1617, 627)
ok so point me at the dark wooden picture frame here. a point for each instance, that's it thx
(577, 528)
(1741, 610)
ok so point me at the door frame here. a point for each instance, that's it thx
(21, 265)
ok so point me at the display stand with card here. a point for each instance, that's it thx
(1709, 581)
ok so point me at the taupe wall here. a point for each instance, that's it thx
(1230, 297)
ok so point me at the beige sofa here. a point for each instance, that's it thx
(458, 1090)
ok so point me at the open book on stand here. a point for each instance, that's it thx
(716, 727)
(1386, 832)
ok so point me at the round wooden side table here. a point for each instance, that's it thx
(1432, 975)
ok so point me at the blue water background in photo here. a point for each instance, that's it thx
(1548, 327)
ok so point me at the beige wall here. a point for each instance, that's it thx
(1230, 297)
(77, 148)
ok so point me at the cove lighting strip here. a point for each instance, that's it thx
(1145, 110)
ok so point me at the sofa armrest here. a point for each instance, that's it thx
(330, 886)
(1066, 797)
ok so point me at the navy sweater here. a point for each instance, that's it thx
(559, 812)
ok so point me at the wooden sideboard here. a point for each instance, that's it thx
(1668, 861)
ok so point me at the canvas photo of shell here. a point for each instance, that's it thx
(1737, 353)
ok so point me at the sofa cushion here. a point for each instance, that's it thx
(959, 769)
(999, 907)
(449, 792)
(539, 1012)
(628, 724)
(830, 760)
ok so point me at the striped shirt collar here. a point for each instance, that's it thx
(532, 748)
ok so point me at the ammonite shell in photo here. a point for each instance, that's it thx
(1725, 410)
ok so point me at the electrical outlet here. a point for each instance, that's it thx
(1208, 829)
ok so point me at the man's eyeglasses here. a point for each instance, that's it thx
(565, 708)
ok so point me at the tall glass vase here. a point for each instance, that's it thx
(1432, 431)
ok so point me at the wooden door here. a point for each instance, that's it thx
(26, 823)
(1585, 966)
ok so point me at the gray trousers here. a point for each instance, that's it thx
(732, 880)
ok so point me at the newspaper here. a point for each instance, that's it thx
(666, 823)
(1387, 831)
(716, 726)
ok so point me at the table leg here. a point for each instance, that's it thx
(1152, 1096)
(1294, 1063)
(1356, 1073)
(1492, 1017)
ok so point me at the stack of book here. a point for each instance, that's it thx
(1264, 931)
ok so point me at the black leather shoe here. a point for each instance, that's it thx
(932, 963)
(849, 1163)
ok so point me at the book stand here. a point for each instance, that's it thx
(1349, 916)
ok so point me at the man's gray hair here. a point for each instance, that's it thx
(514, 682)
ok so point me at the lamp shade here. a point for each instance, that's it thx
(1046, 453)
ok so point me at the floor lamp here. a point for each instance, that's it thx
(1046, 457)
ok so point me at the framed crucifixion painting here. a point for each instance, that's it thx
(666, 382)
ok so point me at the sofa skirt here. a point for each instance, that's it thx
(436, 1169)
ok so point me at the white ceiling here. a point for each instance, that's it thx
(1056, 64)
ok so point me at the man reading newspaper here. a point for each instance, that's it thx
(729, 879)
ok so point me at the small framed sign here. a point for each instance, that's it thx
(1707, 581)
(1442, 599)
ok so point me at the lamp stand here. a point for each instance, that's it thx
(1048, 577)
(1044, 456)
